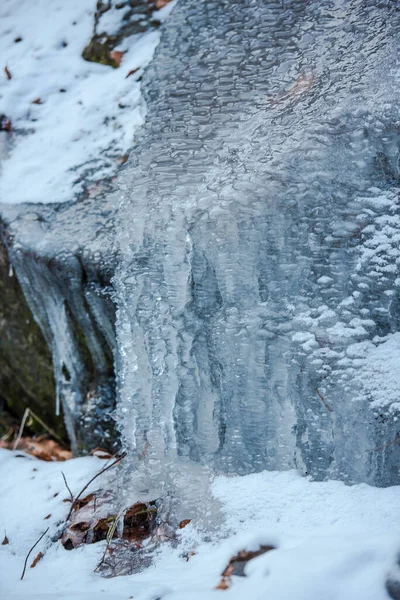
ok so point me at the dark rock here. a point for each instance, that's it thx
(393, 581)
(137, 19)
(393, 588)
(62, 257)
(26, 370)
(99, 51)
(57, 346)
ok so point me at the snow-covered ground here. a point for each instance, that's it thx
(71, 119)
(333, 542)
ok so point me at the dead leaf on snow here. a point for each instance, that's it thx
(37, 101)
(189, 555)
(8, 73)
(5, 541)
(132, 72)
(43, 448)
(117, 56)
(237, 564)
(5, 125)
(36, 560)
(93, 516)
(100, 453)
(183, 523)
(161, 3)
(223, 584)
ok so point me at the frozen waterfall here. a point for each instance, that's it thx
(259, 237)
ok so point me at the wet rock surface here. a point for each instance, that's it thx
(57, 345)
(26, 369)
(63, 261)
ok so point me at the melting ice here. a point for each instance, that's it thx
(259, 239)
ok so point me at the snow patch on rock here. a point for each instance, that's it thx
(72, 120)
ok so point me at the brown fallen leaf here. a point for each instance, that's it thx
(47, 517)
(5, 125)
(36, 560)
(237, 565)
(100, 453)
(37, 101)
(139, 521)
(43, 448)
(93, 515)
(5, 541)
(117, 56)
(8, 73)
(132, 72)
(189, 555)
(161, 3)
(223, 584)
(183, 523)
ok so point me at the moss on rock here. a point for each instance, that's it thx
(26, 369)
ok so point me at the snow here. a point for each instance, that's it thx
(81, 131)
(333, 541)
(379, 372)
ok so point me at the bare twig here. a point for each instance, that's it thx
(21, 428)
(29, 412)
(9, 433)
(112, 528)
(117, 460)
(30, 551)
(47, 428)
(110, 535)
(67, 486)
(323, 400)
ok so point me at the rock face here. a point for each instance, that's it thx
(26, 369)
(258, 288)
(393, 580)
(62, 258)
(114, 22)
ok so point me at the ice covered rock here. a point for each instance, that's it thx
(258, 241)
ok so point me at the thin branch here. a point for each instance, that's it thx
(47, 428)
(30, 551)
(67, 486)
(323, 400)
(117, 460)
(110, 535)
(21, 428)
(9, 433)
(29, 412)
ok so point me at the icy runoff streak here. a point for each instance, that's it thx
(246, 284)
